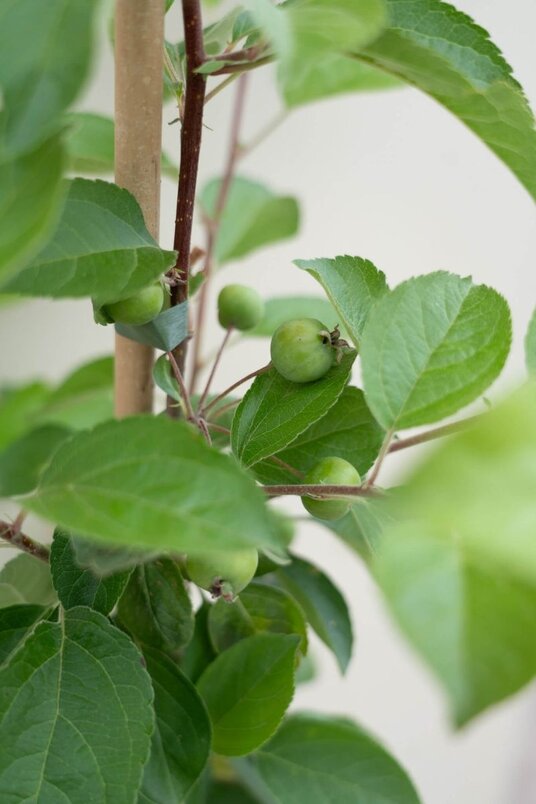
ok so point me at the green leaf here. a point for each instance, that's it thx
(25, 579)
(259, 609)
(348, 430)
(247, 690)
(104, 561)
(253, 217)
(274, 412)
(530, 345)
(323, 604)
(304, 33)
(18, 408)
(181, 739)
(440, 50)
(459, 572)
(154, 483)
(21, 463)
(315, 758)
(165, 332)
(352, 286)
(431, 346)
(45, 50)
(16, 622)
(30, 202)
(84, 398)
(229, 793)
(155, 607)
(100, 248)
(334, 74)
(284, 308)
(362, 527)
(56, 694)
(91, 148)
(199, 652)
(78, 586)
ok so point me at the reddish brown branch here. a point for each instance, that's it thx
(192, 127)
(320, 490)
(15, 537)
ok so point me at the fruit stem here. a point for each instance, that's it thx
(371, 479)
(213, 225)
(232, 387)
(217, 359)
(185, 396)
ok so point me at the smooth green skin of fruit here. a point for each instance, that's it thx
(299, 352)
(138, 309)
(239, 307)
(224, 573)
(331, 471)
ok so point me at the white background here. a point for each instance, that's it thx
(395, 178)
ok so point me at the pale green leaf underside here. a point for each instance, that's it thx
(431, 346)
(100, 248)
(44, 57)
(31, 192)
(308, 37)
(142, 482)
(275, 411)
(75, 715)
(442, 51)
(90, 145)
(84, 398)
(247, 690)
(460, 574)
(316, 759)
(25, 579)
(473, 624)
(352, 285)
(254, 216)
(22, 461)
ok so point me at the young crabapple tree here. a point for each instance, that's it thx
(150, 652)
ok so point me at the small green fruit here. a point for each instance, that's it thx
(224, 573)
(239, 307)
(138, 309)
(301, 350)
(330, 471)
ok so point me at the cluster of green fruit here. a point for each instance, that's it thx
(302, 350)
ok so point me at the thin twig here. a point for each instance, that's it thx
(265, 132)
(430, 435)
(232, 387)
(225, 408)
(221, 86)
(185, 396)
(320, 490)
(371, 479)
(214, 224)
(191, 130)
(15, 537)
(217, 359)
